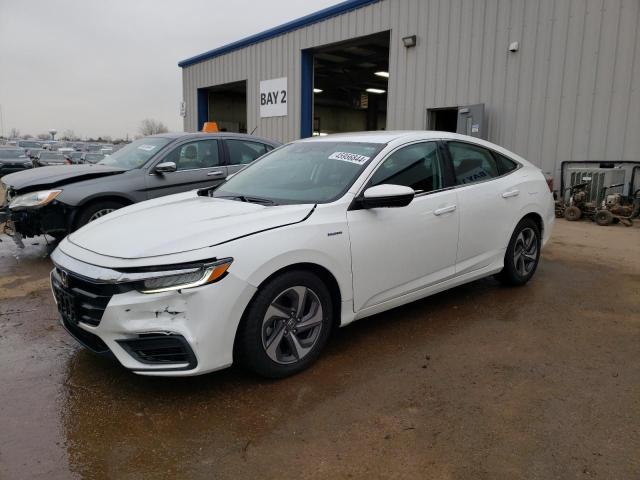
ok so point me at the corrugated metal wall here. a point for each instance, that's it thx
(571, 92)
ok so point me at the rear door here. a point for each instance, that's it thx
(198, 164)
(489, 201)
(242, 152)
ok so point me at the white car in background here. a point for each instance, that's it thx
(314, 235)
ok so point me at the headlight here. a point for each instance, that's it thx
(208, 273)
(34, 199)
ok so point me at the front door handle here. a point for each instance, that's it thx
(511, 193)
(443, 210)
(215, 173)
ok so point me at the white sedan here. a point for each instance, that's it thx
(314, 235)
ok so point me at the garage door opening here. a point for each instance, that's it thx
(227, 106)
(443, 119)
(350, 84)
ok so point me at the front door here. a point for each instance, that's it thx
(198, 165)
(396, 251)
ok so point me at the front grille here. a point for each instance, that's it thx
(156, 349)
(86, 339)
(81, 300)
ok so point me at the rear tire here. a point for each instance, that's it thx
(522, 255)
(286, 326)
(95, 211)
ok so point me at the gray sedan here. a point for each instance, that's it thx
(58, 200)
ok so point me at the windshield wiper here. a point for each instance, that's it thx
(244, 198)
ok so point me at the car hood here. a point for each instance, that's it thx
(55, 176)
(180, 223)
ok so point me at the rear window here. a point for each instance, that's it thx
(505, 165)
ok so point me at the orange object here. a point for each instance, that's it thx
(210, 127)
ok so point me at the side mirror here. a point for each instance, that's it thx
(166, 167)
(386, 196)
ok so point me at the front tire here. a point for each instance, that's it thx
(95, 211)
(604, 218)
(286, 325)
(522, 255)
(573, 213)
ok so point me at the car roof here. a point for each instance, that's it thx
(184, 136)
(387, 136)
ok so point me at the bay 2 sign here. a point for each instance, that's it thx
(273, 97)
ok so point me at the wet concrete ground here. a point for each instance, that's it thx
(481, 382)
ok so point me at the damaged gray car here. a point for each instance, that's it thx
(60, 199)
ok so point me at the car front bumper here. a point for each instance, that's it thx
(51, 219)
(177, 333)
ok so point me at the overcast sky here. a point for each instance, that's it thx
(99, 67)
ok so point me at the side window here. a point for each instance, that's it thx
(505, 165)
(472, 164)
(417, 166)
(242, 152)
(192, 155)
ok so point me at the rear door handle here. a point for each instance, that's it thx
(511, 193)
(443, 210)
(215, 173)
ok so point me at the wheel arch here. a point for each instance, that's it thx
(125, 201)
(324, 274)
(537, 218)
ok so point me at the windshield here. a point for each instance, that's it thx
(11, 153)
(304, 172)
(136, 153)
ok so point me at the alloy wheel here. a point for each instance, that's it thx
(525, 253)
(291, 325)
(101, 213)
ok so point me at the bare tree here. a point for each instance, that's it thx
(149, 126)
(26, 136)
(69, 135)
(14, 133)
(43, 136)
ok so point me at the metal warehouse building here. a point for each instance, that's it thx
(552, 80)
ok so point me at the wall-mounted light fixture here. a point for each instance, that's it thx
(410, 41)
(375, 90)
(382, 74)
(514, 47)
(317, 90)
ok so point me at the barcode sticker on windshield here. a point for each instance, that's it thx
(146, 148)
(349, 157)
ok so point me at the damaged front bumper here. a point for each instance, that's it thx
(51, 220)
(176, 333)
